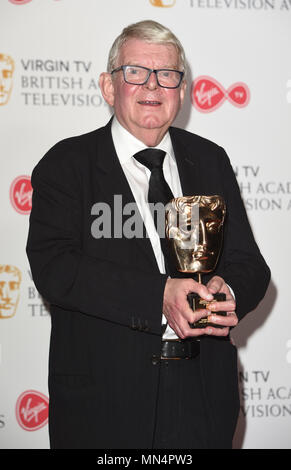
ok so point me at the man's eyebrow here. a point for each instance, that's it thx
(168, 67)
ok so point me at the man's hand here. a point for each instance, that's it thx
(176, 307)
(217, 285)
(179, 314)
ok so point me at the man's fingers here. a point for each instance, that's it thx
(202, 291)
(215, 284)
(222, 306)
(198, 314)
(230, 320)
(181, 324)
(216, 331)
(180, 315)
(176, 329)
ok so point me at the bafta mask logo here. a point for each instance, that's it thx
(10, 279)
(163, 3)
(6, 77)
(21, 194)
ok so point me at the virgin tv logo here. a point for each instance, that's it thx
(32, 410)
(19, 2)
(208, 94)
(21, 194)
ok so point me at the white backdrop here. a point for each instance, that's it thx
(239, 95)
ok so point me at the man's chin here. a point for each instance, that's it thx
(153, 123)
(151, 133)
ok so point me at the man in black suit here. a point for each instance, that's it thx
(126, 370)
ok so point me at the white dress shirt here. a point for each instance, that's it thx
(137, 175)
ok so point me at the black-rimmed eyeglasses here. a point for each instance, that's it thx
(138, 75)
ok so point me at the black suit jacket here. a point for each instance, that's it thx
(106, 294)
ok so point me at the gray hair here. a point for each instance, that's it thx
(148, 31)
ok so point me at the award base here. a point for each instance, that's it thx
(196, 303)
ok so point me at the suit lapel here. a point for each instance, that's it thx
(112, 182)
(188, 166)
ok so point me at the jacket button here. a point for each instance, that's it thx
(155, 360)
(146, 327)
(133, 324)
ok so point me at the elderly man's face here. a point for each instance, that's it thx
(146, 111)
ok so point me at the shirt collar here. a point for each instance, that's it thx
(126, 145)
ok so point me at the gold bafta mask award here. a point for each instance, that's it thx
(194, 229)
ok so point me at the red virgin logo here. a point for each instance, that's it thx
(21, 194)
(32, 410)
(208, 94)
(19, 2)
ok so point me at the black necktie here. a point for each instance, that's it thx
(159, 191)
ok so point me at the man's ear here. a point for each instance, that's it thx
(107, 88)
(183, 92)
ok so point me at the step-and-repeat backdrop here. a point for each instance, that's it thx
(239, 95)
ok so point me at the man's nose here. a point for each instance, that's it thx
(152, 82)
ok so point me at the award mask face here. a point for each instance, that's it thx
(10, 278)
(194, 227)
